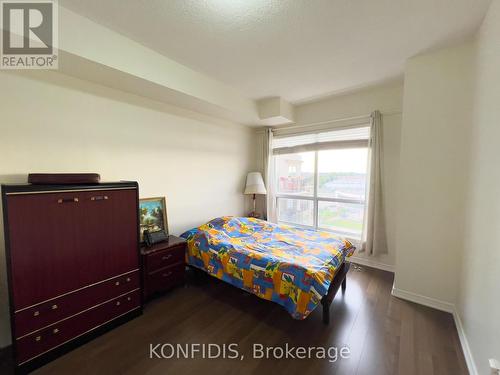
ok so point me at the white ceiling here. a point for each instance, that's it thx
(296, 49)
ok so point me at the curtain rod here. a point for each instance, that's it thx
(333, 121)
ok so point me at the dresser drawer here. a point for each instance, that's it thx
(165, 258)
(57, 334)
(41, 315)
(164, 279)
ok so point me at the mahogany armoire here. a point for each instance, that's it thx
(73, 264)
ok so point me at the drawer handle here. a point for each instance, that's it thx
(166, 257)
(38, 338)
(167, 274)
(36, 313)
(128, 279)
(55, 330)
(118, 303)
(99, 198)
(117, 283)
(68, 200)
(54, 307)
(129, 299)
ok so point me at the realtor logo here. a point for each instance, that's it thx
(29, 34)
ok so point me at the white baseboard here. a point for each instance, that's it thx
(469, 359)
(447, 307)
(423, 300)
(371, 263)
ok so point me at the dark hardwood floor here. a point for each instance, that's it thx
(385, 335)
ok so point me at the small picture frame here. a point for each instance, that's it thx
(152, 215)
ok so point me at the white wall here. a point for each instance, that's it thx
(388, 99)
(478, 302)
(55, 123)
(433, 172)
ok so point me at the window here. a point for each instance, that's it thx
(320, 180)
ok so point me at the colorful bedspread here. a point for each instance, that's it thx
(292, 267)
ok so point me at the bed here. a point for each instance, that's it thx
(296, 268)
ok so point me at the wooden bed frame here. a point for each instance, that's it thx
(339, 280)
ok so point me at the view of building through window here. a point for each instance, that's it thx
(296, 173)
(323, 189)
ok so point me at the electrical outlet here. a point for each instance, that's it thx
(357, 268)
(495, 366)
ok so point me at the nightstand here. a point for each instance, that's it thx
(163, 266)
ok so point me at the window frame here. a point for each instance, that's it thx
(315, 198)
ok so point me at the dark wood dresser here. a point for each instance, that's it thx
(164, 266)
(73, 264)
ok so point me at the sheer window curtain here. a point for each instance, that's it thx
(374, 230)
(270, 202)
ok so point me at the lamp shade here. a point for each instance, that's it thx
(255, 184)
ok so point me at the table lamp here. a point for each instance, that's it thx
(255, 185)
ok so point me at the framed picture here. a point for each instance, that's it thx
(153, 215)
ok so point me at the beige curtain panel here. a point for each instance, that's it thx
(270, 200)
(374, 231)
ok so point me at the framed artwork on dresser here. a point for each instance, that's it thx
(153, 215)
